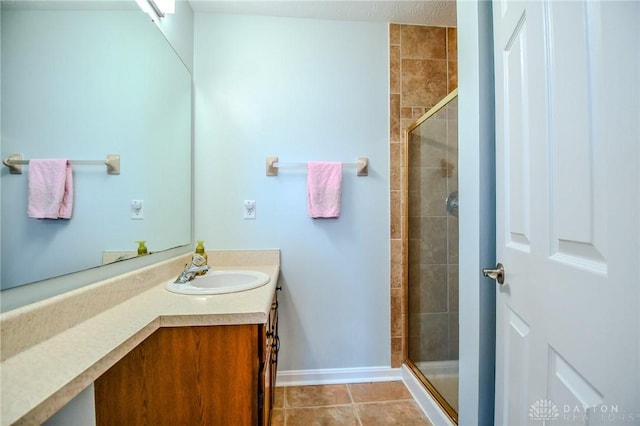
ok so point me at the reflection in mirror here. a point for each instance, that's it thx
(80, 83)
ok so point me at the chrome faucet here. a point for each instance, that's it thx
(189, 273)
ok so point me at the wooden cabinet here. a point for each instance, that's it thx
(214, 375)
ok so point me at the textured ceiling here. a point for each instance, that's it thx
(432, 12)
(440, 13)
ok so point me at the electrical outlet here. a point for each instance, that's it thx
(137, 209)
(249, 209)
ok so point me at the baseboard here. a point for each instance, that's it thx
(337, 376)
(424, 399)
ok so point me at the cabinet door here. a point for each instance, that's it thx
(184, 376)
(275, 348)
(269, 346)
(267, 391)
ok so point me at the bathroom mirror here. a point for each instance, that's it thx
(81, 80)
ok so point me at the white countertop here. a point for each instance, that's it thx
(41, 378)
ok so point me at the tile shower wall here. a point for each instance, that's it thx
(423, 70)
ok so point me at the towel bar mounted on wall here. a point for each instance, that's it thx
(15, 161)
(361, 165)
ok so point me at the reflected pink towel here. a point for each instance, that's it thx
(324, 189)
(50, 189)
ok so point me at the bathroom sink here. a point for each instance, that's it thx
(220, 282)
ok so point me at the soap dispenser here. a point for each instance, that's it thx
(201, 251)
(142, 249)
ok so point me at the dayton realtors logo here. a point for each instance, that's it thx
(543, 410)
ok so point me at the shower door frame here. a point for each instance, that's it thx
(433, 391)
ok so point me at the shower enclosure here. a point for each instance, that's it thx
(431, 250)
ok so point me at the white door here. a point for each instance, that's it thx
(567, 213)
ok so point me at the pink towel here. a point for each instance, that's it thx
(324, 189)
(50, 189)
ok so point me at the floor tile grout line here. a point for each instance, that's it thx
(353, 405)
(383, 401)
(348, 386)
(320, 406)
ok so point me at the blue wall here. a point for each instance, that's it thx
(301, 90)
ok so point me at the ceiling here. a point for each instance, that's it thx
(441, 13)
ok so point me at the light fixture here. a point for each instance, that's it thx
(165, 6)
(157, 9)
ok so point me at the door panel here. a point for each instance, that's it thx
(516, 95)
(567, 385)
(579, 181)
(516, 360)
(567, 224)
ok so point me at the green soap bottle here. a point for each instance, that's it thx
(201, 251)
(142, 249)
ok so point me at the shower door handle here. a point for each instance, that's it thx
(495, 274)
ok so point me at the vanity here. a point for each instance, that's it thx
(194, 375)
(154, 357)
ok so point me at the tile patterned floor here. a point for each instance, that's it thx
(358, 404)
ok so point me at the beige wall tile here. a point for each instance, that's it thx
(431, 248)
(394, 34)
(397, 352)
(396, 309)
(396, 264)
(452, 76)
(431, 296)
(429, 337)
(394, 117)
(452, 44)
(427, 191)
(452, 239)
(424, 82)
(394, 71)
(396, 155)
(405, 123)
(452, 284)
(420, 42)
(396, 214)
(428, 145)
(453, 335)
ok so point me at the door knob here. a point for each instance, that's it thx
(495, 274)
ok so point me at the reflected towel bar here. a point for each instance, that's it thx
(361, 165)
(14, 162)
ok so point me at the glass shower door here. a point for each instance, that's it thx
(431, 217)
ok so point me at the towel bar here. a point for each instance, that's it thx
(15, 161)
(361, 165)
